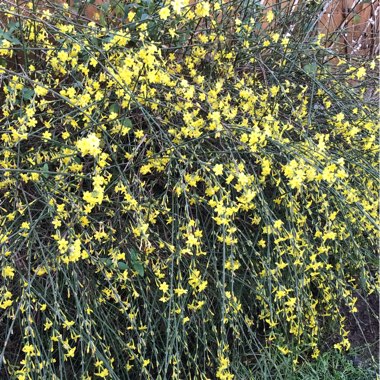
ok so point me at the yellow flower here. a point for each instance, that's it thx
(329, 235)
(139, 134)
(47, 135)
(103, 374)
(164, 299)
(284, 350)
(315, 353)
(281, 265)
(63, 56)
(67, 324)
(285, 41)
(6, 304)
(164, 287)
(271, 323)
(25, 225)
(262, 243)
(360, 73)
(275, 37)
(65, 135)
(270, 16)
(89, 145)
(40, 91)
(218, 169)
(202, 9)
(8, 271)
(47, 325)
(28, 349)
(164, 13)
(70, 353)
(5, 48)
(63, 245)
(178, 5)
(180, 291)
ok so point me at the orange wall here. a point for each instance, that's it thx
(352, 25)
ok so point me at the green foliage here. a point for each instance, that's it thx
(184, 193)
(330, 365)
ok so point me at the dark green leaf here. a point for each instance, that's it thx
(45, 170)
(27, 93)
(122, 265)
(138, 267)
(310, 68)
(114, 108)
(110, 264)
(136, 263)
(107, 262)
(126, 122)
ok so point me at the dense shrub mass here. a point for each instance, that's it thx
(182, 192)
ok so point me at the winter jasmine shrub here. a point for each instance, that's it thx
(181, 192)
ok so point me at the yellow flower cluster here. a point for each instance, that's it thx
(89, 145)
(163, 201)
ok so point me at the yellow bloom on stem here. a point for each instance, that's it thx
(89, 145)
(8, 271)
(103, 374)
(270, 16)
(218, 169)
(164, 13)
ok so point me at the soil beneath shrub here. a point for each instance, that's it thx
(364, 329)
